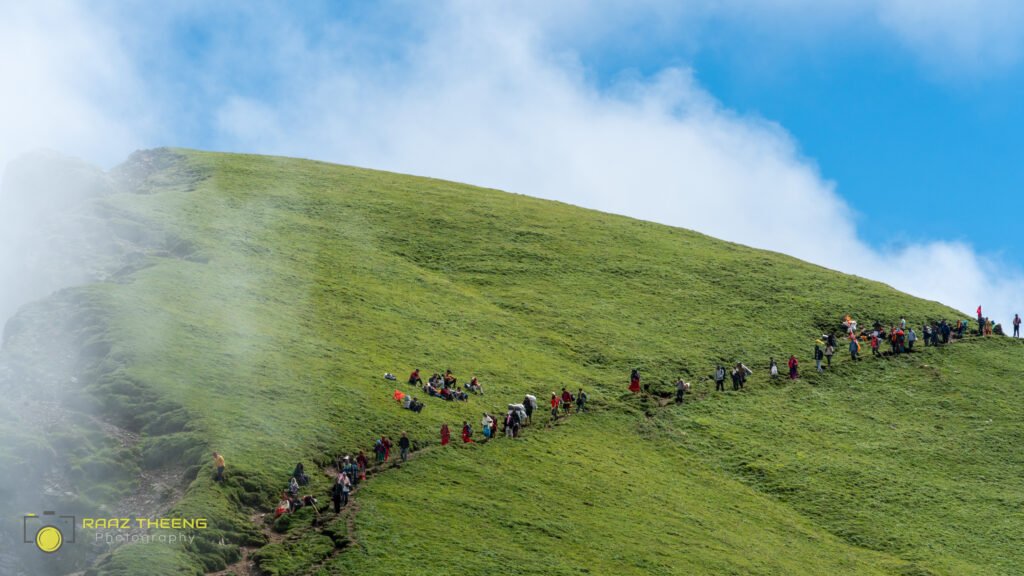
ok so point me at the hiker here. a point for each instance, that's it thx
(467, 432)
(529, 404)
(735, 375)
(378, 450)
(793, 374)
(911, 338)
(300, 475)
(567, 401)
(283, 506)
(854, 349)
(903, 323)
(361, 465)
(446, 434)
(681, 389)
(403, 445)
(554, 406)
(818, 356)
(720, 378)
(415, 379)
(581, 401)
(339, 492)
(350, 469)
(218, 464)
(474, 386)
(509, 424)
(741, 374)
(487, 424)
(634, 381)
(830, 349)
(387, 447)
(773, 369)
(1016, 326)
(293, 487)
(874, 345)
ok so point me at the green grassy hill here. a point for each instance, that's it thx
(265, 298)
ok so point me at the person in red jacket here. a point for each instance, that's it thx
(793, 375)
(362, 462)
(554, 406)
(566, 400)
(446, 434)
(387, 447)
(634, 381)
(467, 432)
(414, 378)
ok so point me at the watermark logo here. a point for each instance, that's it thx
(48, 531)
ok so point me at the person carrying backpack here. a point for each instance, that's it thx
(681, 389)
(581, 401)
(529, 404)
(854, 349)
(339, 492)
(720, 378)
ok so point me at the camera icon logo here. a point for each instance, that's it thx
(47, 530)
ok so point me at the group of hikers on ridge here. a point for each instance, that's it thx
(899, 337)
(351, 470)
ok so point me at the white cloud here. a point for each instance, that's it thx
(67, 83)
(488, 97)
(482, 102)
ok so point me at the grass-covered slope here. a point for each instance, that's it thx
(275, 293)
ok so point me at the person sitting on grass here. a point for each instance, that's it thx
(299, 474)
(415, 379)
(474, 386)
(449, 379)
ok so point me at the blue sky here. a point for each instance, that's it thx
(877, 138)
